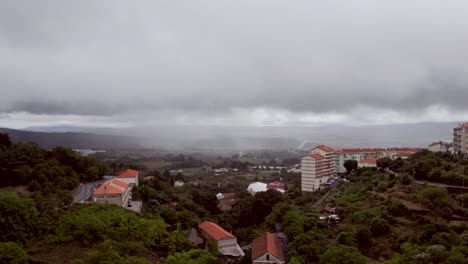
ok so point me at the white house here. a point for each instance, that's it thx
(440, 147)
(267, 249)
(367, 163)
(129, 176)
(257, 187)
(226, 242)
(178, 183)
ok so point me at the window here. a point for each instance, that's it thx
(268, 257)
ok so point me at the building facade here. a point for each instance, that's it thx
(112, 191)
(440, 146)
(341, 155)
(317, 168)
(226, 242)
(460, 139)
(367, 163)
(267, 249)
(129, 176)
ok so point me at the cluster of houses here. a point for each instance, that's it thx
(257, 187)
(268, 248)
(226, 201)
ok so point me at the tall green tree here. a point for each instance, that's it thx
(438, 201)
(5, 141)
(350, 165)
(12, 253)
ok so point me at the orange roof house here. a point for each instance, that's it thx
(325, 148)
(227, 242)
(130, 176)
(113, 186)
(129, 173)
(267, 249)
(369, 160)
(113, 191)
(214, 231)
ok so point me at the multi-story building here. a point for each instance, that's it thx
(440, 146)
(129, 176)
(460, 139)
(367, 163)
(317, 168)
(341, 155)
(113, 191)
(358, 154)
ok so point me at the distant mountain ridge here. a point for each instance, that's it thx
(76, 140)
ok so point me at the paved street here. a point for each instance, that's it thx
(85, 191)
(136, 206)
(439, 184)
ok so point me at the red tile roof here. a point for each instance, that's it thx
(228, 195)
(215, 231)
(129, 173)
(360, 150)
(227, 202)
(325, 148)
(369, 160)
(460, 126)
(267, 243)
(316, 156)
(113, 186)
(276, 185)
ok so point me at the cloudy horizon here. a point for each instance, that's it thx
(245, 63)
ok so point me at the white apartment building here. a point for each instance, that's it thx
(440, 146)
(341, 155)
(317, 168)
(460, 139)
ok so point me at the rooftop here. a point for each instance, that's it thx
(113, 186)
(267, 243)
(215, 231)
(325, 148)
(461, 126)
(369, 160)
(129, 173)
(316, 156)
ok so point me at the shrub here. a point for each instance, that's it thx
(379, 226)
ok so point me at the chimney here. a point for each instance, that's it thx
(105, 188)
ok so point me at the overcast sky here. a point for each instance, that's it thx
(261, 63)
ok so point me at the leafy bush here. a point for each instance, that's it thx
(379, 226)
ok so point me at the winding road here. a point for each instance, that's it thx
(85, 191)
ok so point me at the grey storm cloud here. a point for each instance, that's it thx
(112, 57)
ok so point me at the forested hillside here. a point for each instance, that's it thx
(432, 166)
(38, 223)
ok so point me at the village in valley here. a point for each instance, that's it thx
(236, 206)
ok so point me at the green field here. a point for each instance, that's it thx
(155, 164)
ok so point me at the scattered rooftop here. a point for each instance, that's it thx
(214, 231)
(113, 186)
(267, 243)
(129, 173)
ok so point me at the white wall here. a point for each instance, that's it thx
(263, 259)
